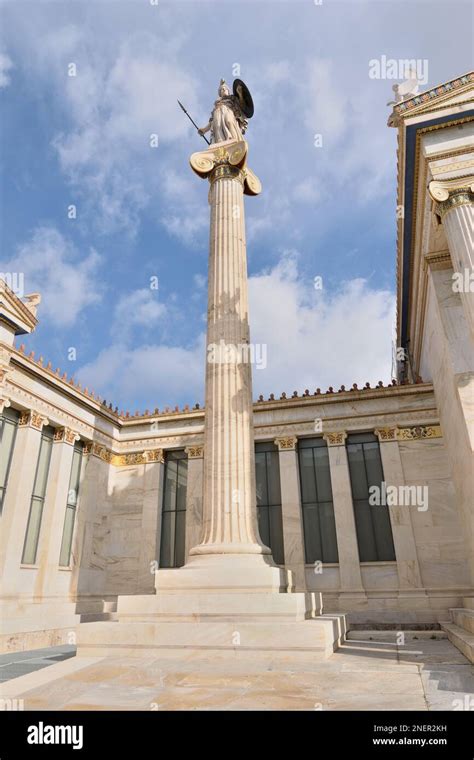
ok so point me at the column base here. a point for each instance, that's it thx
(230, 573)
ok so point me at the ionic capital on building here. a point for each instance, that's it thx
(286, 443)
(65, 435)
(32, 419)
(154, 455)
(195, 452)
(226, 160)
(451, 193)
(4, 403)
(336, 438)
(386, 434)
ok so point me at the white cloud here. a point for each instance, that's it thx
(163, 374)
(307, 191)
(318, 337)
(313, 338)
(326, 107)
(5, 66)
(140, 308)
(116, 107)
(66, 278)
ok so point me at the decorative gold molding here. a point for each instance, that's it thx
(452, 167)
(32, 419)
(195, 452)
(336, 438)
(124, 460)
(102, 452)
(438, 260)
(288, 443)
(419, 432)
(227, 172)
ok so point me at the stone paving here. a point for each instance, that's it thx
(15, 664)
(423, 674)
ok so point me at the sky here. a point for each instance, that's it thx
(112, 229)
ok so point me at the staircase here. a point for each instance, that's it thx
(460, 628)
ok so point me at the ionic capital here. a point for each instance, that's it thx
(32, 419)
(286, 443)
(386, 434)
(195, 452)
(65, 435)
(451, 193)
(226, 160)
(336, 438)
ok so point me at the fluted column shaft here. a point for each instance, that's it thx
(454, 204)
(458, 224)
(229, 509)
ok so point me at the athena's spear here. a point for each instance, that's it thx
(192, 120)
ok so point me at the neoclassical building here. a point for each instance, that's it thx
(92, 500)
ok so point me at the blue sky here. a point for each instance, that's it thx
(324, 211)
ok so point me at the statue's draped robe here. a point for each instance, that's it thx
(224, 123)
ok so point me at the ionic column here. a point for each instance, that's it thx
(409, 576)
(348, 550)
(229, 507)
(454, 201)
(16, 506)
(194, 497)
(293, 540)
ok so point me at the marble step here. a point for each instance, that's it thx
(462, 639)
(94, 617)
(464, 618)
(95, 606)
(393, 637)
(308, 639)
(220, 607)
(468, 602)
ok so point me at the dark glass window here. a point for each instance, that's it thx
(173, 522)
(270, 524)
(71, 505)
(319, 526)
(374, 531)
(37, 499)
(8, 426)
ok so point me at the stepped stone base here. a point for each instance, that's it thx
(314, 639)
(216, 606)
(460, 629)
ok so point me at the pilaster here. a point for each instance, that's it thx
(352, 588)
(194, 497)
(409, 576)
(54, 511)
(291, 510)
(16, 506)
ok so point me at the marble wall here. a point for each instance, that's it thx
(117, 530)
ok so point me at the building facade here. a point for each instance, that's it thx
(365, 494)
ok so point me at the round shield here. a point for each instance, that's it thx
(242, 93)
